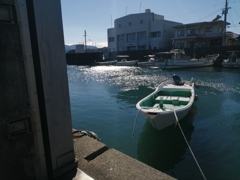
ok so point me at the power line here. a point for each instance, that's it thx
(234, 25)
(210, 15)
(232, 17)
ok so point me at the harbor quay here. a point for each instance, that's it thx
(97, 161)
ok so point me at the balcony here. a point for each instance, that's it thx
(210, 35)
(192, 34)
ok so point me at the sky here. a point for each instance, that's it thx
(96, 16)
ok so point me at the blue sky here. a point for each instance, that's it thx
(96, 16)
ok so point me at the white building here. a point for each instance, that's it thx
(142, 31)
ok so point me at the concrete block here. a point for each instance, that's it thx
(111, 164)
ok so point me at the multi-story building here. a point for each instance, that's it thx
(142, 31)
(201, 34)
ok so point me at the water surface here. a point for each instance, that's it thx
(103, 100)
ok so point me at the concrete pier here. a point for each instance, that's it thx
(98, 161)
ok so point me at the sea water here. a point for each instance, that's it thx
(103, 100)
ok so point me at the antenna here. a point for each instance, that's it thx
(140, 6)
(85, 34)
(111, 21)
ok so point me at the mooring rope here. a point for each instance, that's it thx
(133, 132)
(189, 146)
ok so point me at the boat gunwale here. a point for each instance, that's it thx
(149, 109)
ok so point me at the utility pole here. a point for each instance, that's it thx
(224, 12)
(85, 47)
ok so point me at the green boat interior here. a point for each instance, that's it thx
(168, 99)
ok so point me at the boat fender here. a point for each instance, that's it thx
(195, 97)
(192, 111)
(85, 133)
(90, 134)
(197, 86)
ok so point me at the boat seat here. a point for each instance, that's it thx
(185, 99)
(173, 100)
(166, 98)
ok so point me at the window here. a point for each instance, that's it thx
(180, 45)
(111, 49)
(220, 29)
(111, 39)
(215, 42)
(180, 33)
(191, 44)
(141, 35)
(131, 48)
(156, 34)
(121, 38)
(131, 38)
(209, 29)
(192, 32)
(141, 39)
(142, 47)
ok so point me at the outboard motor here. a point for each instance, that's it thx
(177, 80)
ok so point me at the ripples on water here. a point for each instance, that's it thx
(103, 100)
(132, 77)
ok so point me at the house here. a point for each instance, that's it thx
(141, 31)
(232, 38)
(201, 34)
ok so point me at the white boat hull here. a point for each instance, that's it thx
(126, 63)
(106, 63)
(146, 64)
(162, 120)
(159, 109)
(179, 60)
(151, 61)
(231, 64)
(233, 61)
(171, 64)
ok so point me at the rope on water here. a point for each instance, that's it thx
(133, 131)
(177, 122)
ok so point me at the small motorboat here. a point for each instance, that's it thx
(151, 60)
(233, 60)
(170, 97)
(124, 62)
(178, 59)
(106, 63)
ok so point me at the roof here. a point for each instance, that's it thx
(200, 23)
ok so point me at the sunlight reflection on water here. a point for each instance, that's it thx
(132, 77)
